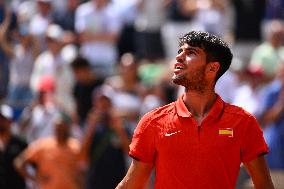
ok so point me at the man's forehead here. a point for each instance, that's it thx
(189, 47)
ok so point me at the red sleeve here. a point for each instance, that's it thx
(253, 143)
(142, 146)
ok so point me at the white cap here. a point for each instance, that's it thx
(54, 32)
(6, 111)
(26, 11)
(69, 53)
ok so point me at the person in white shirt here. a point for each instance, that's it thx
(51, 63)
(98, 25)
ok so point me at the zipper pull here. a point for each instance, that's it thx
(199, 128)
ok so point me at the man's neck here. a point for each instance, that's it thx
(199, 104)
(61, 141)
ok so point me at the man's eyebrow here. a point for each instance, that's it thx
(191, 49)
(195, 49)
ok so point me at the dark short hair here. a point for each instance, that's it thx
(80, 63)
(215, 48)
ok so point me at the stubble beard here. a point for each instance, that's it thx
(195, 82)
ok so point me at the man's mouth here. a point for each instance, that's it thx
(178, 67)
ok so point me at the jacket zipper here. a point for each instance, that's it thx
(199, 128)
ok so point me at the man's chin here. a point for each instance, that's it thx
(178, 80)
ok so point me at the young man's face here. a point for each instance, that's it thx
(189, 69)
(81, 74)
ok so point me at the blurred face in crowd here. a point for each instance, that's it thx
(46, 89)
(44, 8)
(128, 66)
(100, 3)
(277, 38)
(42, 96)
(81, 74)
(53, 45)
(276, 33)
(72, 4)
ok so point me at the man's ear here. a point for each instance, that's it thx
(213, 67)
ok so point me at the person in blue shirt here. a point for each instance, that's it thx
(272, 119)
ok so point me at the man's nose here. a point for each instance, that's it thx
(180, 57)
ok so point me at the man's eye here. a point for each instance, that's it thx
(179, 51)
(190, 52)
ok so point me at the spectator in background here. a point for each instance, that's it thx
(214, 16)
(66, 19)
(230, 82)
(127, 88)
(40, 21)
(36, 119)
(85, 83)
(10, 147)
(227, 85)
(8, 22)
(247, 26)
(268, 55)
(60, 5)
(248, 18)
(54, 159)
(150, 18)
(51, 63)
(25, 9)
(272, 119)
(180, 20)
(127, 10)
(23, 56)
(250, 90)
(104, 145)
(98, 25)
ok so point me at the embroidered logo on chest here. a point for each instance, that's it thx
(171, 133)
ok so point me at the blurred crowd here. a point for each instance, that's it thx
(76, 76)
